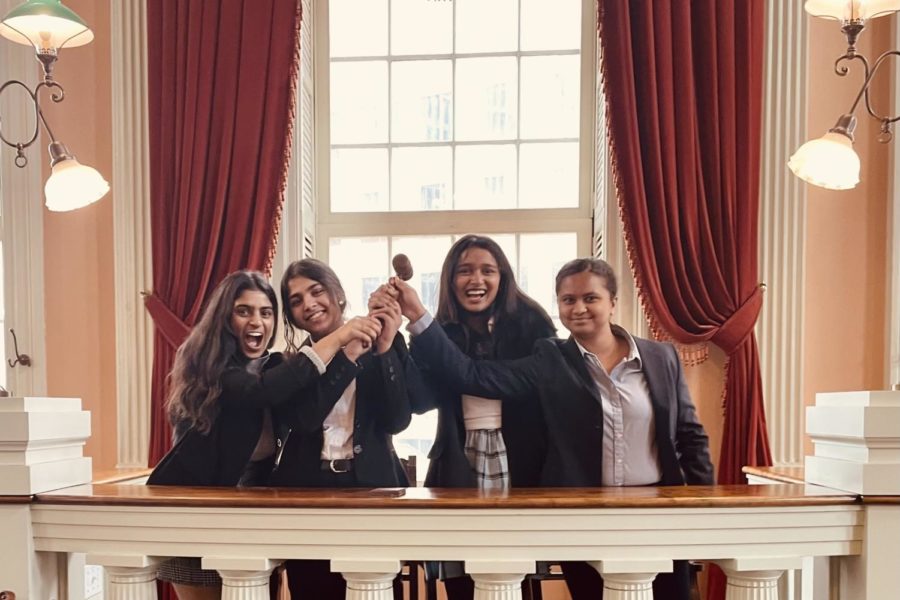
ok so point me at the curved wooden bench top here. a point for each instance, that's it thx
(447, 498)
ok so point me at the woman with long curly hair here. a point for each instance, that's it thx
(222, 387)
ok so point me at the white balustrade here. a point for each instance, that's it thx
(131, 577)
(756, 578)
(630, 579)
(242, 578)
(368, 579)
(498, 580)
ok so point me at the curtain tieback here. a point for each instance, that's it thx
(172, 328)
(734, 331)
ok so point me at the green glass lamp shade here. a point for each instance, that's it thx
(45, 24)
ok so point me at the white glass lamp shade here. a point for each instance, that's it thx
(829, 162)
(851, 10)
(46, 25)
(73, 185)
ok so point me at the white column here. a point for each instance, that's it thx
(630, 579)
(782, 228)
(131, 227)
(498, 580)
(756, 578)
(368, 579)
(875, 573)
(242, 578)
(131, 577)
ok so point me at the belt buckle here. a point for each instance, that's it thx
(332, 467)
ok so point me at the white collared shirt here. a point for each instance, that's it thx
(629, 434)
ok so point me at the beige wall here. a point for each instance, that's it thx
(78, 246)
(845, 317)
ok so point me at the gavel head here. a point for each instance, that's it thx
(402, 267)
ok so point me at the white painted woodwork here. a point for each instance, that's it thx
(368, 579)
(498, 586)
(131, 583)
(874, 574)
(857, 441)
(893, 247)
(630, 579)
(41, 444)
(22, 217)
(782, 228)
(131, 228)
(30, 574)
(628, 586)
(756, 578)
(245, 585)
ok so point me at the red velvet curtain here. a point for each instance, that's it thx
(222, 77)
(683, 84)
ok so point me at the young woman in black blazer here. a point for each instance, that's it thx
(223, 383)
(365, 402)
(482, 442)
(564, 377)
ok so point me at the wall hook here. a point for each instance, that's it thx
(21, 359)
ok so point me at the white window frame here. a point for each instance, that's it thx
(579, 219)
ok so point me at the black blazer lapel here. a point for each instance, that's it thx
(573, 356)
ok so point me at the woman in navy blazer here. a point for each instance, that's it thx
(557, 375)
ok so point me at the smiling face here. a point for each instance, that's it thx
(585, 305)
(476, 280)
(312, 308)
(252, 322)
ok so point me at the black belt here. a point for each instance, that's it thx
(338, 465)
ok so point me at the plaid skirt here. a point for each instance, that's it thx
(486, 452)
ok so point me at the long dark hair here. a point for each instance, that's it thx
(194, 382)
(318, 271)
(510, 298)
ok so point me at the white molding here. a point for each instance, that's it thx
(23, 225)
(131, 213)
(893, 249)
(782, 229)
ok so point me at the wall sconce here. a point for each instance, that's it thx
(830, 161)
(48, 26)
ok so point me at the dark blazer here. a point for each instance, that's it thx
(522, 422)
(555, 374)
(382, 409)
(220, 456)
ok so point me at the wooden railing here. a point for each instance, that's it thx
(629, 534)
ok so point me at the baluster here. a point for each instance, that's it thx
(498, 580)
(242, 578)
(130, 577)
(756, 578)
(368, 579)
(630, 579)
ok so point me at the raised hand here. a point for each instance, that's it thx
(387, 310)
(410, 305)
(362, 329)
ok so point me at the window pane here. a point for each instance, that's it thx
(357, 27)
(421, 26)
(487, 26)
(548, 175)
(542, 255)
(359, 180)
(362, 265)
(485, 177)
(551, 25)
(422, 179)
(421, 101)
(550, 96)
(426, 253)
(486, 92)
(359, 118)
